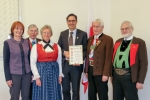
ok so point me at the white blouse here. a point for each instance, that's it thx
(34, 56)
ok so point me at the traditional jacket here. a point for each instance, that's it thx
(138, 58)
(102, 55)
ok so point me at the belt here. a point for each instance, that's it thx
(122, 71)
(91, 62)
(67, 60)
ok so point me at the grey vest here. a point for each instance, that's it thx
(15, 62)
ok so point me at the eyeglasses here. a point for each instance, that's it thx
(35, 31)
(127, 28)
(71, 21)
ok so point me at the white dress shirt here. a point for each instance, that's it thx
(32, 40)
(129, 38)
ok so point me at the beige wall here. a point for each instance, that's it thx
(112, 12)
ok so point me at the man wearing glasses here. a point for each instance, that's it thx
(72, 73)
(32, 32)
(129, 64)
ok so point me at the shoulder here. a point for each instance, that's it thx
(119, 40)
(65, 31)
(107, 37)
(138, 40)
(25, 40)
(8, 41)
(81, 31)
(38, 39)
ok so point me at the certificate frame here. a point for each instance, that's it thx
(75, 54)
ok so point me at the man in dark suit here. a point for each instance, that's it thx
(98, 62)
(72, 73)
(130, 64)
(32, 32)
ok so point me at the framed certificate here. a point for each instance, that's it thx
(76, 54)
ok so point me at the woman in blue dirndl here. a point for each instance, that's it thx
(46, 68)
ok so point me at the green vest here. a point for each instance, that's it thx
(125, 54)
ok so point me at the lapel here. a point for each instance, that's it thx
(100, 39)
(133, 51)
(37, 40)
(77, 37)
(66, 39)
(90, 43)
(30, 44)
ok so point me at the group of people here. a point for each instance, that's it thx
(39, 67)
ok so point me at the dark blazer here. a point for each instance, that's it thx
(138, 58)
(102, 55)
(81, 39)
(30, 44)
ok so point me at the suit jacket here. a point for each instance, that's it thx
(138, 58)
(81, 39)
(102, 55)
(30, 44)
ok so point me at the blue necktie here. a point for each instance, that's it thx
(33, 42)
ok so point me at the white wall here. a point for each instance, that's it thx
(112, 12)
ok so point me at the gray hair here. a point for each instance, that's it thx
(128, 22)
(100, 21)
(32, 25)
(46, 27)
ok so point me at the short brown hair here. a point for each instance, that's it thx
(14, 25)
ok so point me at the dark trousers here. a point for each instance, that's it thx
(30, 94)
(124, 87)
(96, 85)
(72, 74)
(21, 83)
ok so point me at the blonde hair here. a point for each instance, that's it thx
(46, 27)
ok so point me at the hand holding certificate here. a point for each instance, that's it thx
(76, 54)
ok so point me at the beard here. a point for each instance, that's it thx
(126, 35)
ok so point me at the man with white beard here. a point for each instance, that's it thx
(130, 64)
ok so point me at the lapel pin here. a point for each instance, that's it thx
(77, 37)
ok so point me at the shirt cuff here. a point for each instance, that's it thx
(61, 74)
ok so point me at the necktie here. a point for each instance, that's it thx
(33, 42)
(70, 39)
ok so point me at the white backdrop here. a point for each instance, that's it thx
(112, 12)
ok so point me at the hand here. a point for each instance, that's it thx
(104, 78)
(76, 64)
(86, 75)
(60, 79)
(38, 82)
(9, 83)
(32, 78)
(139, 85)
(66, 54)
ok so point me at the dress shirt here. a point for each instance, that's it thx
(33, 40)
(129, 38)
